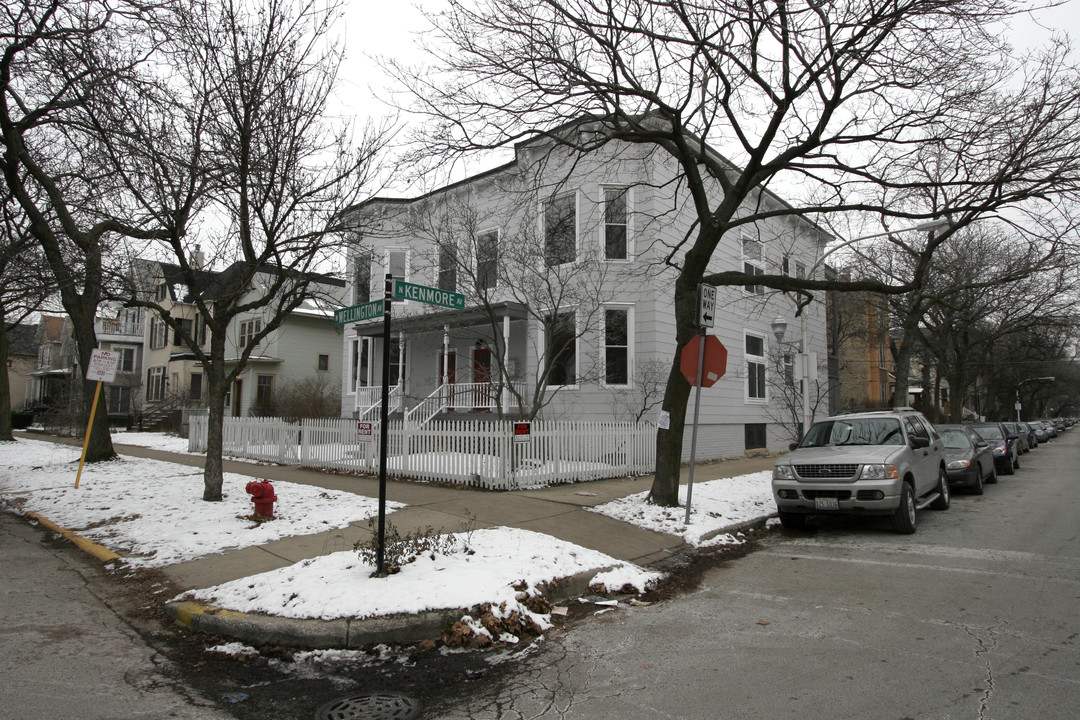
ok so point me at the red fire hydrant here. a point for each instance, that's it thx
(262, 494)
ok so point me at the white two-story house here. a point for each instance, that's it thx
(305, 346)
(569, 309)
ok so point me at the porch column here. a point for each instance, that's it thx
(505, 400)
(356, 365)
(443, 389)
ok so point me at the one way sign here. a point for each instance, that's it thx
(706, 306)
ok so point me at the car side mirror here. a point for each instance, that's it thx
(792, 446)
(918, 442)
(982, 444)
(1014, 437)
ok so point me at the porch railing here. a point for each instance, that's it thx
(463, 396)
(369, 399)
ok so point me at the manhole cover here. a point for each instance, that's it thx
(371, 706)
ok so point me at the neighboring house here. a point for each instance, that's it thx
(589, 313)
(122, 330)
(48, 387)
(305, 345)
(22, 359)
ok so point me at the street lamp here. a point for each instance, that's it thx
(1047, 378)
(923, 227)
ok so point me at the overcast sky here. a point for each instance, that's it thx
(386, 27)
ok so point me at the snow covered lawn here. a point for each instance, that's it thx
(489, 566)
(153, 511)
(715, 504)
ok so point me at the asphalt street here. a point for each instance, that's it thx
(65, 652)
(975, 616)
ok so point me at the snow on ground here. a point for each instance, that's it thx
(485, 567)
(714, 505)
(154, 510)
(157, 441)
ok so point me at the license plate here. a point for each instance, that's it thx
(826, 503)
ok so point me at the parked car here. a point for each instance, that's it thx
(1049, 427)
(1023, 444)
(1033, 438)
(1004, 445)
(882, 462)
(970, 461)
(1040, 431)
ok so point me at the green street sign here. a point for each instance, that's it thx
(358, 313)
(433, 296)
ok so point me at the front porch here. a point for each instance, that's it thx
(450, 364)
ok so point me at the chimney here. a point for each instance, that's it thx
(197, 258)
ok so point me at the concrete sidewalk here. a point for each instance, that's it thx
(559, 511)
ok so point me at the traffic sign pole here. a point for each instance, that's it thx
(89, 427)
(384, 435)
(693, 434)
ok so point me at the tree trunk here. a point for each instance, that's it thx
(218, 380)
(669, 443)
(99, 448)
(5, 389)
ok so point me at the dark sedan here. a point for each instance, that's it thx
(969, 459)
(1005, 446)
(1024, 444)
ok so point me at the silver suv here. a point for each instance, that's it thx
(881, 462)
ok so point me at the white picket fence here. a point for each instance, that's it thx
(469, 452)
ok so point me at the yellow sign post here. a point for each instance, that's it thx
(102, 368)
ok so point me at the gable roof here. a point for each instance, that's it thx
(214, 284)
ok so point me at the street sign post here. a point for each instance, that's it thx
(358, 313)
(102, 368)
(425, 294)
(702, 362)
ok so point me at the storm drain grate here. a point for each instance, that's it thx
(371, 706)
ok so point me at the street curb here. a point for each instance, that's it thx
(345, 632)
(101, 552)
(755, 524)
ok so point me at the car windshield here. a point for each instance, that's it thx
(990, 432)
(955, 439)
(858, 431)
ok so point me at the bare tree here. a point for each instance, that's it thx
(865, 105)
(245, 92)
(24, 288)
(58, 58)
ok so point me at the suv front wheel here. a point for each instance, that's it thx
(903, 520)
(942, 501)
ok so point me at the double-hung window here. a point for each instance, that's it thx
(447, 279)
(616, 346)
(248, 330)
(560, 230)
(487, 260)
(397, 263)
(616, 224)
(362, 278)
(753, 263)
(755, 367)
(560, 348)
(155, 384)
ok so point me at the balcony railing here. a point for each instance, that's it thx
(118, 327)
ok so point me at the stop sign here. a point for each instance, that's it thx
(714, 365)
